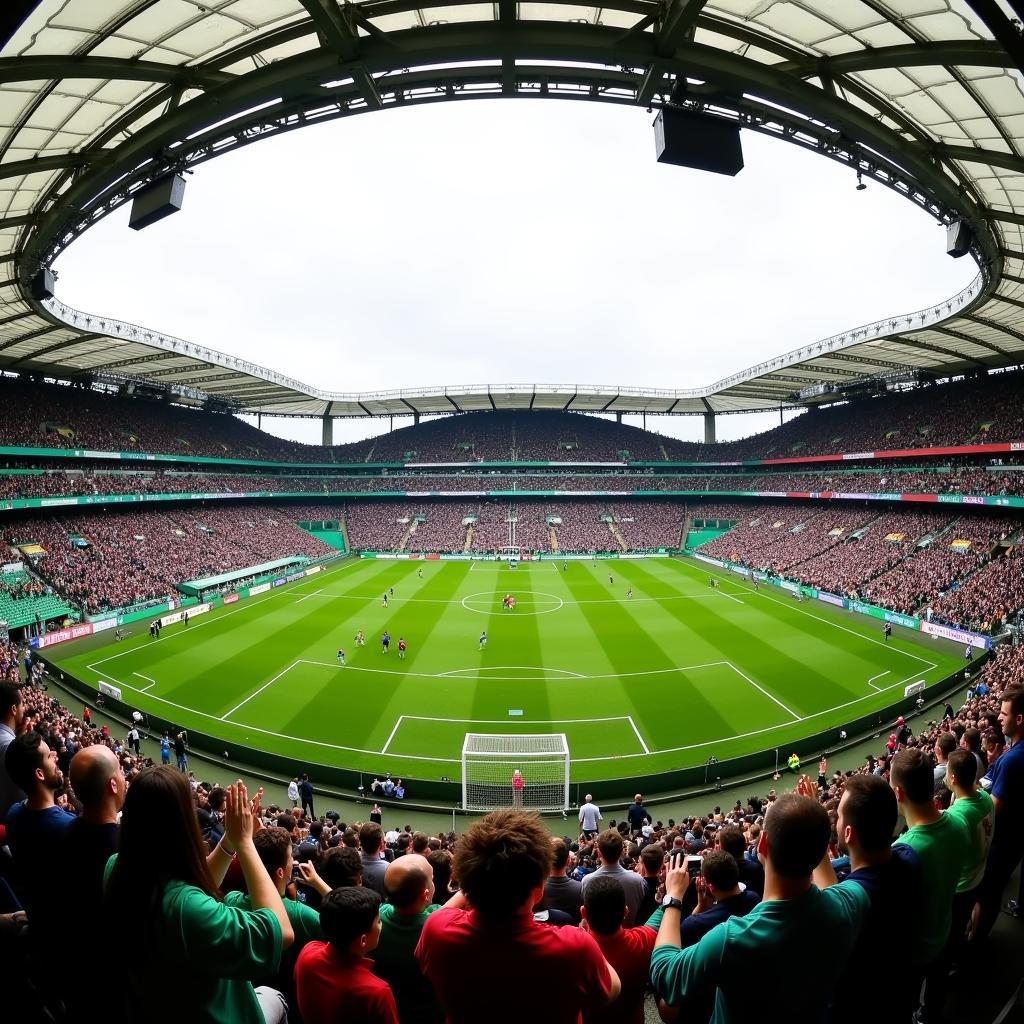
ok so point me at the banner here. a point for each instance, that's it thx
(961, 636)
(313, 569)
(230, 598)
(62, 635)
(831, 599)
(261, 589)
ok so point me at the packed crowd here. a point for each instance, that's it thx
(966, 412)
(900, 560)
(113, 559)
(94, 482)
(262, 912)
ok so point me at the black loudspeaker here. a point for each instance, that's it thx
(159, 200)
(688, 139)
(41, 285)
(959, 239)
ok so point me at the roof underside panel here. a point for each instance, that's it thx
(925, 94)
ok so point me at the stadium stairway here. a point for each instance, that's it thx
(617, 534)
(407, 536)
(343, 529)
(468, 545)
(553, 539)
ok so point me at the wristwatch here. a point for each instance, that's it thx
(671, 901)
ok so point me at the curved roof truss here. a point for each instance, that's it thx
(100, 97)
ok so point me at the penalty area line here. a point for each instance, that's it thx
(256, 693)
(767, 693)
(640, 739)
(384, 749)
(152, 682)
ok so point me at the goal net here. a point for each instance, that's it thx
(502, 770)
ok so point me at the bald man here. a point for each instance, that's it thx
(98, 782)
(409, 885)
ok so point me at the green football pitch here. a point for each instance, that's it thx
(664, 679)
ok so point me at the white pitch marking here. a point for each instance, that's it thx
(509, 668)
(284, 671)
(243, 606)
(871, 681)
(384, 749)
(152, 682)
(455, 761)
(758, 686)
(762, 592)
(629, 718)
(315, 593)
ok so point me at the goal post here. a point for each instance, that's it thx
(491, 761)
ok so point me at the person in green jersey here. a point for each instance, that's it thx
(192, 957)
(274, 848)
(943, 848)
(409, 886)
(793, 923)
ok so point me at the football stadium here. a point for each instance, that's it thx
(539, 642)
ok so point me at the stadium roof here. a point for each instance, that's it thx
(99, 98)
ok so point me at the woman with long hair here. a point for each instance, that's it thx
(190, 957)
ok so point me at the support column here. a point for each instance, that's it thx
(780, 415)
(416, 418)
(259, 421)
(645, 421)
(709, 428)
(327, 437)
(618, 417)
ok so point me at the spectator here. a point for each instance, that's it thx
(719, 897)
(35, 828)
(561, 892)
(637, 815)
(652, 859)
(943, 846)
(944, 746)
(306, 796)
(501, 863)
(628, 950)
(89, 842)
(891, 877)
(792, 919)
(12, 721)
(751, 873)
(371, 839)
(192, 957)
(1005, 782)
(409, 884)
(976, 809)
(274, 849)
(590, 817)
(334, 979)
(609, 851)
(341, 866)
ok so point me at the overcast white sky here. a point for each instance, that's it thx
(511, 241)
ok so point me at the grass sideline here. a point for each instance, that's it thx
(662, 680)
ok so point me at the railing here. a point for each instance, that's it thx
(917, 320)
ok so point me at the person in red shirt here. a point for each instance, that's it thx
(518, 783)
(483, 951)
(334, 980)
(628, 950)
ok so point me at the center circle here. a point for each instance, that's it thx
(530, 602)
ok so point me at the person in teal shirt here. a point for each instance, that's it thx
(943, 848)
(191, 957)
(784, 936)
